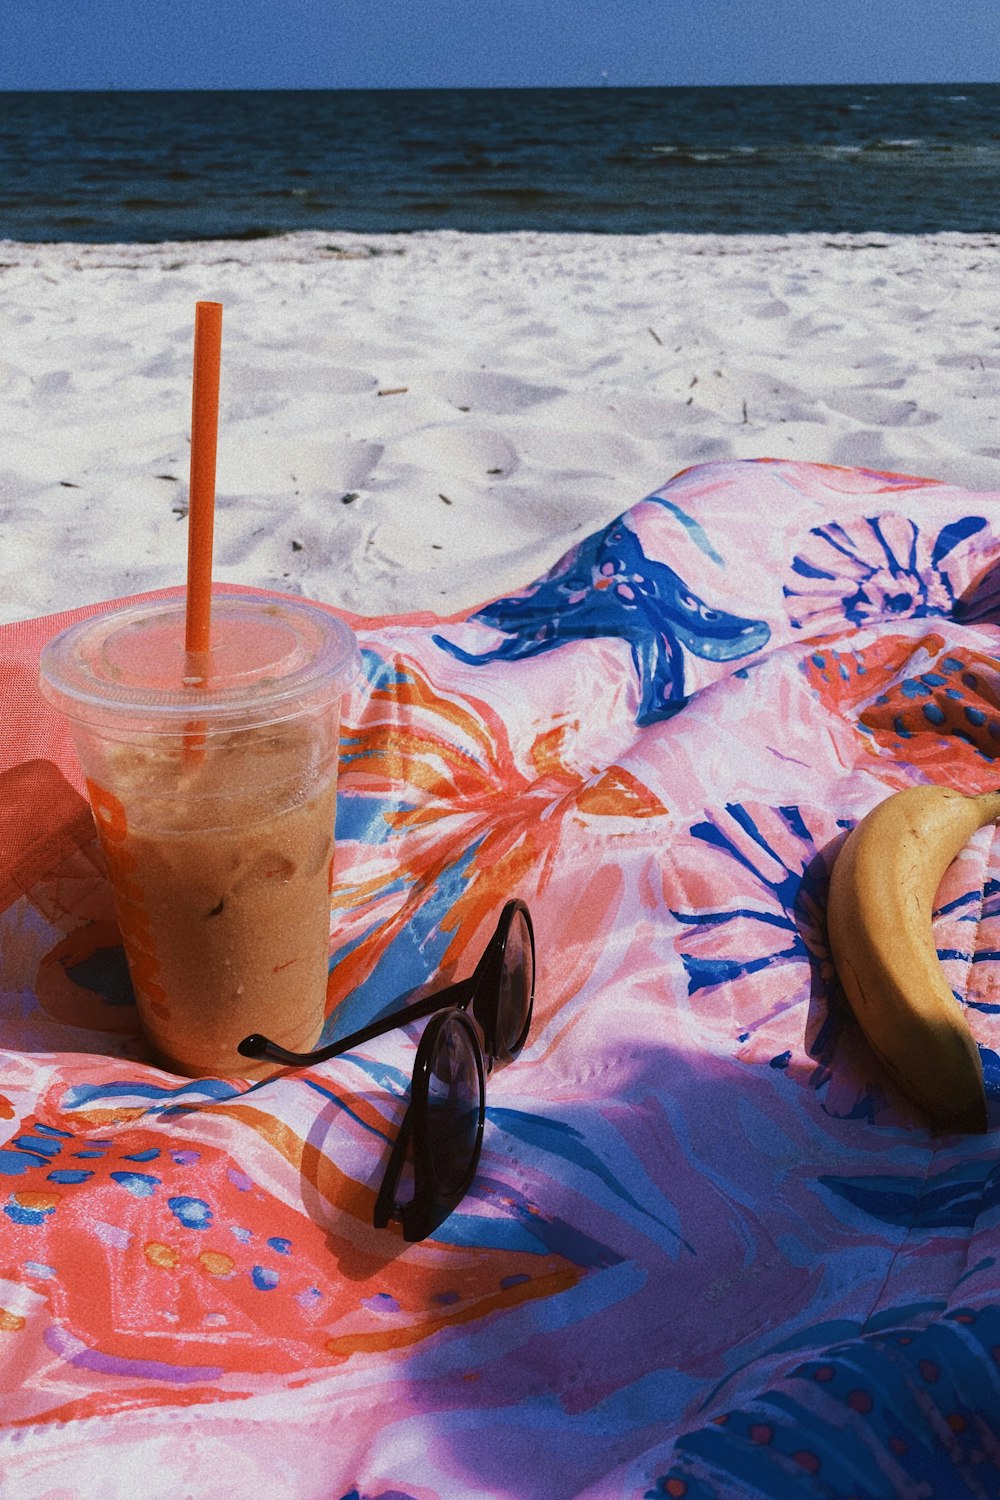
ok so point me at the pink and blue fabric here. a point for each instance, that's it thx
(710, 1251)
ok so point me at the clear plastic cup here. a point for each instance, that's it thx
(213, 783)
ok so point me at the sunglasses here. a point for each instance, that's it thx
(478, 1024)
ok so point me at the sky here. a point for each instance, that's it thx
(221, 44)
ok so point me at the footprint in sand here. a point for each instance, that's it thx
(774, 308)
(456, 449)
(255, 391)
(277, 465)
(737, 394)
(881, 411)
(577, 450)
(866, 449)
(169, 364)
(53, 383)
(482, 391)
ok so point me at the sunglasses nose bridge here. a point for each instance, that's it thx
(486, 1042)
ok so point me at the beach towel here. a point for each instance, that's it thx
(710, 1249)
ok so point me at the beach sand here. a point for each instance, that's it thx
(422, 422)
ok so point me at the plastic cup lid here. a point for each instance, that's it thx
(271, 659)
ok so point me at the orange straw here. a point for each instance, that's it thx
(201, 499)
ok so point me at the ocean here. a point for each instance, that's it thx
(106, 167)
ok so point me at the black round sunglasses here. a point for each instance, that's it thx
(478, 1024)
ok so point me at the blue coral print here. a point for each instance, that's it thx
(902, 1387)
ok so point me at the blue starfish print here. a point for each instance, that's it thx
(607, 586)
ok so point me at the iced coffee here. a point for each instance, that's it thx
(214, 794)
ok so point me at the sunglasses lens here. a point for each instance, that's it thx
(517, 981)
(453, 1105)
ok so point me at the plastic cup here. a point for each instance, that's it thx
(213, 784)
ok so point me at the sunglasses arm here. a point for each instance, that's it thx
(256, 1045)
(385, 1203)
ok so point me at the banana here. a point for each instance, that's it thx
(881, 899)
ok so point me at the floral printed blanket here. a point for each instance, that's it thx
(710, 1251)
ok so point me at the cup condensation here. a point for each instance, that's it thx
(213, 784)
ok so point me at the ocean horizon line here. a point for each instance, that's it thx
(514, 88)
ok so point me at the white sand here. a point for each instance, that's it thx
(549, 382)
